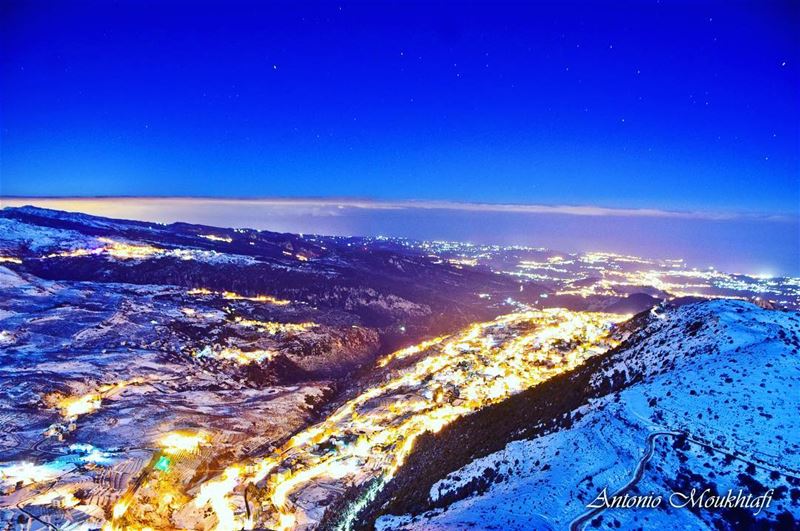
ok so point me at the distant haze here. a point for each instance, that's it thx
(733, 242)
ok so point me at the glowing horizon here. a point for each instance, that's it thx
(96, 203)
(756, 244)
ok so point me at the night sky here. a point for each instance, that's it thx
(669, 105)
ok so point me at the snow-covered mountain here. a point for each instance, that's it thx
(144, 366)
(703, 397)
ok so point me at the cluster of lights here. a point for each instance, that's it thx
(60, 496)
(470, 262)
(27, 473)
(273, 328)
(229, 295)
(135, 251)
(177, 442)
(543, 266)
(410, 351)
(605, 258)
(611, 274)
(114, 249)
(24, 473)
(371, 435)
(298, 256)
(173, 445)
(234, 354)
(215, 238)
(72, 407)
(699, 283)
(191, 312)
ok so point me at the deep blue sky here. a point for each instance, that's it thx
(676, 105)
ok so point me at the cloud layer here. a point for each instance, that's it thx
(137, 206)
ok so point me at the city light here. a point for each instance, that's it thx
(371, 435)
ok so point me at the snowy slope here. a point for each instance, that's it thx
(712, 400)
(17, 236)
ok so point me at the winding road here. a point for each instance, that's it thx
(581, 520)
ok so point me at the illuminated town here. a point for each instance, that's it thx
(370, 435)
(593, 275)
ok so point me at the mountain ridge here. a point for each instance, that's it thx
(574, 406)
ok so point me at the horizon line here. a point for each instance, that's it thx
(427, 204)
